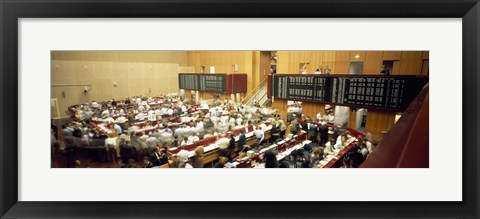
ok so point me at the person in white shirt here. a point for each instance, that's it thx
(110, 142)
(363, 149)
(231, 121)
(141, 108)
(158, 112)
(259, 134)
(117, 129)
(163, 111)
(170, 112)
(265, 111)
(184, 141)
(200, 126)
(263, 127)
(143, 137)
(182, 157)
(184, 108)
(193, 138)
(342, 143)
(185, 119)
(140, 116)
(108, 120)
(319, 116)
(239, 120)
(121, 112)
(330, 118)
(105, 114)
(209, 134)
(151, 115)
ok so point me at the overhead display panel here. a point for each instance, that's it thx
(383, 92)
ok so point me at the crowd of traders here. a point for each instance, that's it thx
(140, 132)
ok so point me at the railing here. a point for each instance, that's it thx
(252, 95)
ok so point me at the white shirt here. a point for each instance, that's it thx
(105, 113)
(239, 121)
(151, 116)
(117, 128)
(140, 116)
(121, 119)
(110, 141)
(192, 139)
(265, 111)
(170, 112)
(263, 127)
(259, 134)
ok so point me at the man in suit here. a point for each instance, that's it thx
(323, 129)
(313, 132)
(147, 163)
(155, 157)
(163, 156)
(242, 139)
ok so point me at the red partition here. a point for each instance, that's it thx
(236, 83)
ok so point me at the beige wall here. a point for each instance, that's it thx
(174, 57)
(132, 78)
(135, 73)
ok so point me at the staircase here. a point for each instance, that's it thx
(258, 94)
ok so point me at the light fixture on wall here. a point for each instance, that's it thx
(114, 83)
(357, 56)
(63, 94)
(85, 90)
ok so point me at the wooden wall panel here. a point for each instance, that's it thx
(341, 67)
(408, 62)
(342, 56)
(361, 55)
(352, 119)
(378, 122)
(411, 63)
(373, 62)
(224, 61)
(311, 110)
(392, 55)
(281, 106)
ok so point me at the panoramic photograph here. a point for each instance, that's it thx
(239, 109)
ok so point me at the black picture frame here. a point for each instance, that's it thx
(12, 10)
